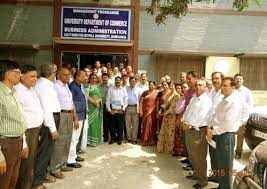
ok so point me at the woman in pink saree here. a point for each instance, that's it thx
(148, 115)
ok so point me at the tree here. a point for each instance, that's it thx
(179, 8)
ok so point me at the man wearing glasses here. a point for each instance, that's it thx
(12, 125)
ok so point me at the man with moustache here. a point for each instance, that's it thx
(191, 77)
(12, 125)
(116, 103)
(28, 97)
(103, 92)
(67, 117)
(216, 97)
(195, 120)
(224, 124)
(143, 85)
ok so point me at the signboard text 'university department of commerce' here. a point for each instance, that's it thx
(95, 23)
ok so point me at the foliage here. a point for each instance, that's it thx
(179, 8)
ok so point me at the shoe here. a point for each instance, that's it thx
(119, 142)
(187, 167)
(128, 141)
(74, 165)
(41, 186)
(105, 140)
(191, 177)
(66, 169)
(59, 175)
(91, 145)
(49, 179)
(134, 142)
(111, 142)
(79, 159)
(197, 186)
(212, 179)
(237, 156)
(81, 152)
(185, 161)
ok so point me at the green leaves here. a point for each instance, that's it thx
(176, 8)
(179, 8)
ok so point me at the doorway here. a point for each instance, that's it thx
(82, 60)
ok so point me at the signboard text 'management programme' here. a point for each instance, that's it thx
(95, 23)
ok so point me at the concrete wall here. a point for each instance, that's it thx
(205, 32)
(260, 98)
(147, 62)
(26, 25)
(225, 4)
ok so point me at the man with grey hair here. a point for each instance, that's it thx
(48, 134)
(168, 78)
(195, 120)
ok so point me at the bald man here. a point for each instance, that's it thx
(62, 145)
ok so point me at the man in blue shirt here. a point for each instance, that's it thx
(80, 107)
(132, 110)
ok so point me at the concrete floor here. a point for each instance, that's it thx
(130, 167)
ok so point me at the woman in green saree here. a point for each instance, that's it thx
(95, 116)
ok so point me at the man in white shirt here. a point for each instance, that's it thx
(247, 96)
(98, 68)
(195, 120)
(216, 97)
(224, 124)
(48, 133)
(62, 145)
(132, 110)
(34, 115)
(116, 103)
(125, 81)
(143, 85)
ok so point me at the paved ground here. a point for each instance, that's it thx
(130, 167)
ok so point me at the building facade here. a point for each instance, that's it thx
(31, 33)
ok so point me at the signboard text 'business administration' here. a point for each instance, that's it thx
(95, 23)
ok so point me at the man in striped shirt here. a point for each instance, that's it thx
(12, 125)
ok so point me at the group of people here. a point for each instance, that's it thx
(49, 121)
(198, 118)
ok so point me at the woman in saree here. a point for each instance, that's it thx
(160, 102)
(167, 131)
(148, 115)
(178, 149)
(95, 118)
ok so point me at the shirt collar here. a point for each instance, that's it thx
(120, 87)
(60, 82)
(79, 85)
(46, 81)
(6, 89)
(203, 95)
(231, 97)
(23, 87)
